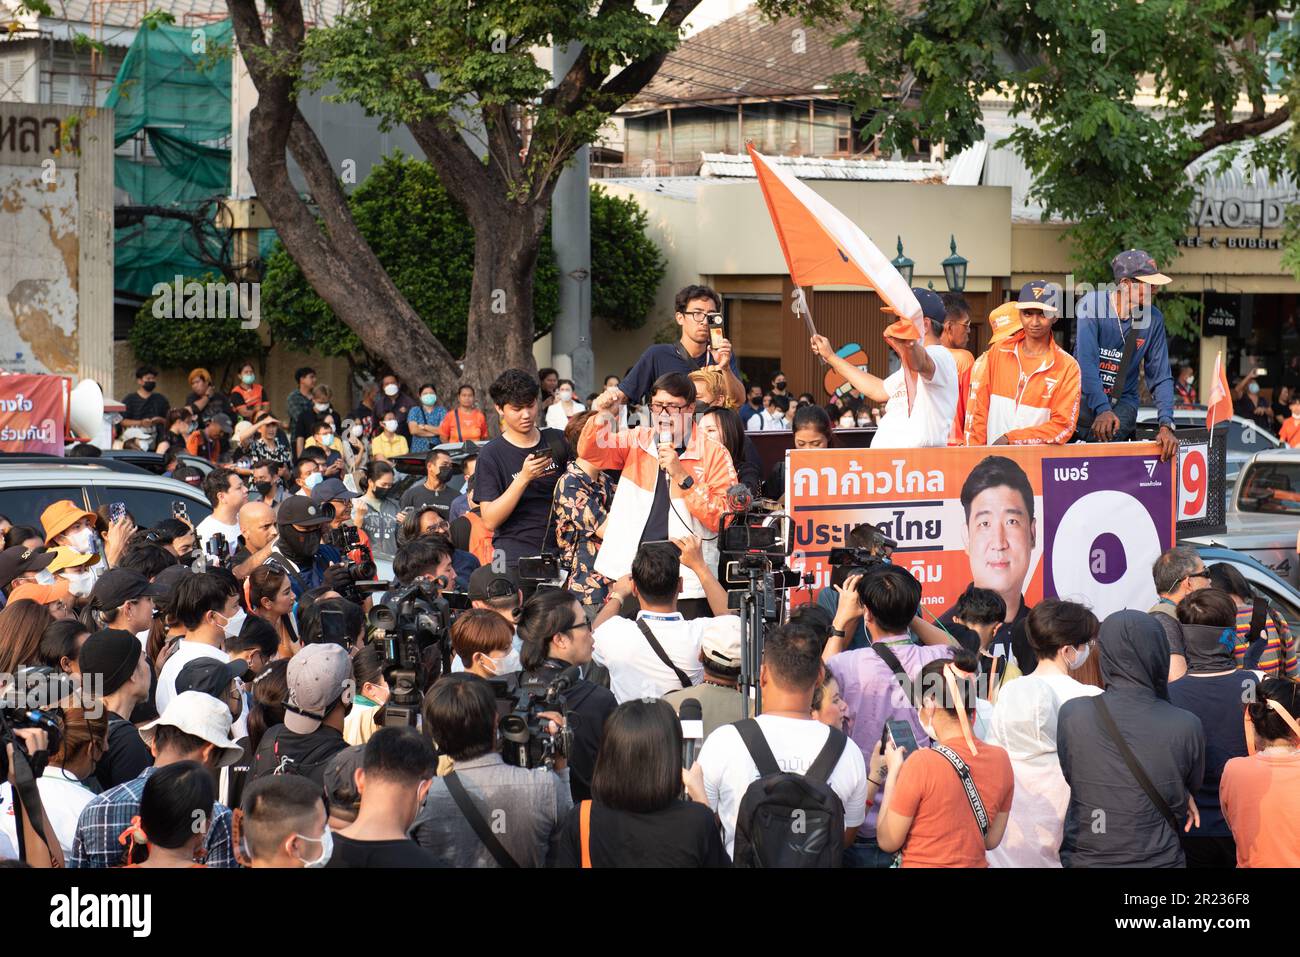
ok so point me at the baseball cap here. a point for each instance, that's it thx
(1004, 321)
(1137, 264)
(210, 675)
(137, 433)
(119, 585)
(42, 594)
(61, 515)
(720, 643)
(202, 716)
(223, 421)
(301, 510)
(166, 580)
(18, 560)
(111, 653)
(65, 556)
(318, 676)
(931, 304)
(331, 490)
(244, 431)
(485, 582)
(1040, 294)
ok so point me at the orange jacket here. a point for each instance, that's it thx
(1028, 405)
(696, 511)
(964, 363)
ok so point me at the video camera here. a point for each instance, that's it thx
(413, 629)
(358, 561)
(753, 541)
(873, 550)
(31, 700)
(525, 740)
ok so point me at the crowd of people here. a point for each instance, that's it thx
(585, 693)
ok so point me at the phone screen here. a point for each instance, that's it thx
(901, 733)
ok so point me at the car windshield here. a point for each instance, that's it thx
(1271, 487)
(1244, 437)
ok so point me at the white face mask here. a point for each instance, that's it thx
(80, 582)
(320, 406)
(83, 541)
(1191, 380)
(45, 577)
(235, 624)
(356, 431)
(847, 422)
(391, 390)
(327, 439)
(565, 395)
(504, 666)
(1081, 655)
(390, 425)
(326, 841)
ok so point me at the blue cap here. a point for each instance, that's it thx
(1137, 264)
(331, 490)
(931, 304)
(1040, 294)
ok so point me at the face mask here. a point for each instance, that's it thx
(444, 474)
(356, 431)
(248, 379)
(428, 399)
(326, 841)
(390, 425)
(264, 488)
(381, 493)
(320, 406)
(45, 577)
(314, 479)
(148, 386)
(390, 390)
(565, 395)
(1254, 388)
(504, 666)
(144, 445)
(80, 582)
(1191, 380)
(780, 384)
(234, 624)
(327, 440)
(1082, 653)
(757, 402)
(302, 544)
(83, 541)
(847, 422)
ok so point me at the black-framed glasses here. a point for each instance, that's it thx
(659, 408)
(702, 316)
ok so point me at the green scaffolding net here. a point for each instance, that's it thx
(173, 90)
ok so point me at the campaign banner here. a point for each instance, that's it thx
(1083, 522)
(32, 413)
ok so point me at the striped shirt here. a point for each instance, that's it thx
(1280, 644)
(109, 814)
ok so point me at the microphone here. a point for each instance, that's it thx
(739, 498)
(691, 716)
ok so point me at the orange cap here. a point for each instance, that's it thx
(42, 594)
(61, 515)
(1004, 321)
(902, 329)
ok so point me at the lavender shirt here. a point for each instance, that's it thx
(872, 696)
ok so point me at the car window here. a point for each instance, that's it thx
(1244, 437)
(1272, 487)
(149, 506)
(23, 506)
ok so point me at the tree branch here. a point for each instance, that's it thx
(1222, 133)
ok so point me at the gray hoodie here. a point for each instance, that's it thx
(1110, 821)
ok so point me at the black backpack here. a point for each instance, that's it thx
(787, 819)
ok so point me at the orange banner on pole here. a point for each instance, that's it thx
(822, 246)
(1083, 522)
(1220, 404)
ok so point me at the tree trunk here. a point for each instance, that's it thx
(336, 260)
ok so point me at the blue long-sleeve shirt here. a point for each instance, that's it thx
(1100, 347)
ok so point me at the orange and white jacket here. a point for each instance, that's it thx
(965, 361)
(697, 511)
(1039, 406)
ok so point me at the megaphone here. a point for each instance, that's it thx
(86, 409)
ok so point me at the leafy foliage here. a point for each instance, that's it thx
(182, 343)
(1077, 71)
(425, 243)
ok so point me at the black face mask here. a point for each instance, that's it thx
(301, 544)
(757, 403)
(444, 474)
(381, 493)
(148, 386)
(264, 488)
(781, 384)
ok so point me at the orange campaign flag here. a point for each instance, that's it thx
(822, 246)
(1220, 405)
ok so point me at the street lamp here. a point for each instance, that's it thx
(903, 264)
(954, 268)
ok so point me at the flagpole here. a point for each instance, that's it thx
(800, 308)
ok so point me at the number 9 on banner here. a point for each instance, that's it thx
(1193, 481)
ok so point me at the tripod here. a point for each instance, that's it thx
(757, 606)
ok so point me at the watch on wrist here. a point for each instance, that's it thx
(686, 483)
(1167, 424)
(838, 633)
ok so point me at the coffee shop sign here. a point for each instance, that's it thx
(1210, 212)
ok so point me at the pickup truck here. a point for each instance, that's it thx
(1263, 513)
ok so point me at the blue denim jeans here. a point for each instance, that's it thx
(1127, 415)
(864, 852)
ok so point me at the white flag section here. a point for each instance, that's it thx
(843, 254)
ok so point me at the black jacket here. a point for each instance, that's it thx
(587, 705)
(1110, 821)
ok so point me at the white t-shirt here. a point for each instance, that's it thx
(933, 407)
(211, 525)
(63, 800)
(635, 671)
(557, 418)
(795, 743)
(1066, 687)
